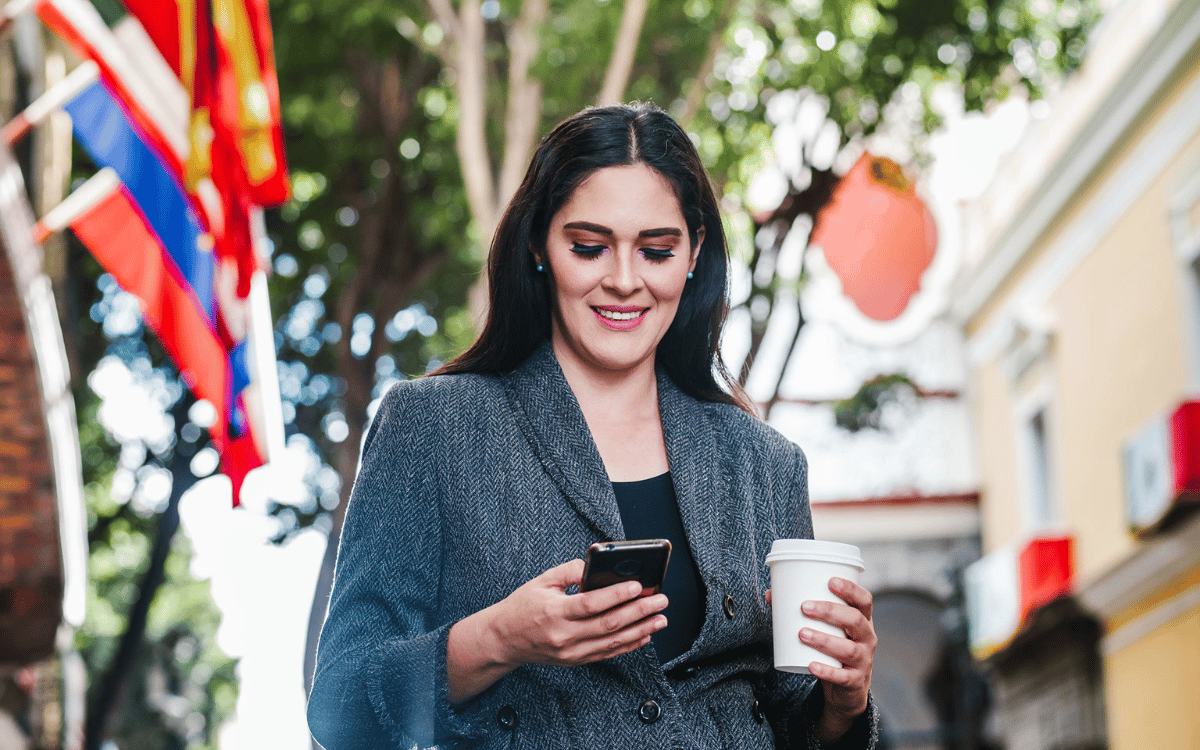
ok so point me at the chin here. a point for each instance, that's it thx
(618, 361)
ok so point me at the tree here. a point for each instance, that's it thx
(861, 67)
(157, 678)
(409, 126)
(389, 227)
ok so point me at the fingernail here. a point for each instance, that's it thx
(808, 608)
(806, 634)
(660, 622)
(633, 589)
(837, 584)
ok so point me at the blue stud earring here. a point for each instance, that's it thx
(689, 274)
(540, 268)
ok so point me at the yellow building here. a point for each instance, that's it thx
(1081, 306)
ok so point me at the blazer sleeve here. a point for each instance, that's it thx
(796, 701)
(380, 677)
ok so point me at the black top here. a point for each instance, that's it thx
(649, 511)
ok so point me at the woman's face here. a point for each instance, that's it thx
(618, 255)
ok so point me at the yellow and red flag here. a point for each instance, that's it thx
(222, 53)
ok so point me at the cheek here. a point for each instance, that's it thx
(669, 290)
(569, 293)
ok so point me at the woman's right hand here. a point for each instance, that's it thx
(540, 623)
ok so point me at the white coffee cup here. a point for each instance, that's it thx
(800, 572)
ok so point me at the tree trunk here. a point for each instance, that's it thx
(111, 691)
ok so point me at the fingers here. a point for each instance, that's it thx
(635, 611)
(588, 604)
(853, 618)
(854, 679)
(844, 617)
(846, 651)
(853, 594)
(612, 644)
(767, 596)
(569, 573)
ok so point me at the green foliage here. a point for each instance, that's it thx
(865, 409)
(869, 60)
(841, 71)
(181, 688)
(370, 127)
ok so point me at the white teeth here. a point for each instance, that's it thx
(617, 315)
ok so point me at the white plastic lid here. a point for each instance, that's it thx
(812, 549)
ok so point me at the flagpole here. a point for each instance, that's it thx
(12, 10)
(84, 75)
(261, 338)
(98, 187)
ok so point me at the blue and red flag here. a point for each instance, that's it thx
(185, 166)
(222, 54)
(148, 236)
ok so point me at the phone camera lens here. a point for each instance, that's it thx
(628, 567)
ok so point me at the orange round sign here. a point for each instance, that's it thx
(878, 237)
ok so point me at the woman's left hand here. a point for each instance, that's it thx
(845, 688)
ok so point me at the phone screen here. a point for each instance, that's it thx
(641, 560)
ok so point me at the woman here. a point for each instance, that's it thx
(592, 407)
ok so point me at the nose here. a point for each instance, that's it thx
(623, 278)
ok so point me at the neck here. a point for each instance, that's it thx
(610, 395)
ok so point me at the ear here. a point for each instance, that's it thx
(696, 249)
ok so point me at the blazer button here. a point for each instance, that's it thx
(507, 717)
(727, 605)
(758, 712)
(649, 711)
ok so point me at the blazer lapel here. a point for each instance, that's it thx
(699, 487)
(550, 417)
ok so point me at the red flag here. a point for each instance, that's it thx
(223, 54)
(246, 52)
(109, 223)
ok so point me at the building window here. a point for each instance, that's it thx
(1042, 512)
(1185, 228)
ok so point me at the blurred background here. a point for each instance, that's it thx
(966, 245)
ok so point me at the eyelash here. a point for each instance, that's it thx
(594, 251)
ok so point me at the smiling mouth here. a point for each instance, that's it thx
(620, 316)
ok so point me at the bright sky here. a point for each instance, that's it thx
(264, 593)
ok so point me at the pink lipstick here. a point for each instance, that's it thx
(620, 317)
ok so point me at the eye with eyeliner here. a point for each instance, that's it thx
(649, 253)
(656, 253)
(590, 251)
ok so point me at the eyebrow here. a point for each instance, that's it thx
(590, 227)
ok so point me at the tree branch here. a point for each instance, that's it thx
(773, 399)
(471, 138)
(699, 87)
(443, 12)
(524, 101)
(112, 688)
(620, 65)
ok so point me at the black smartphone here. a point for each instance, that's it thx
(641, 560)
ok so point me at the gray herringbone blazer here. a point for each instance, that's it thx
(471, 485)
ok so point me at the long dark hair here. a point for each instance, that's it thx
(520, 306)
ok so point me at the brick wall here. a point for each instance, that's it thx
(31, 579)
